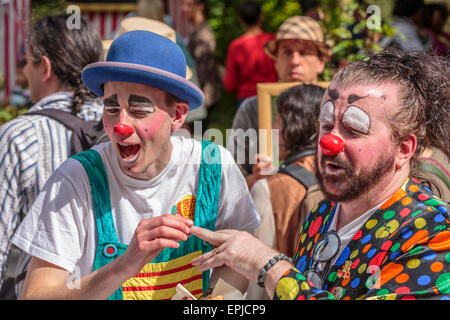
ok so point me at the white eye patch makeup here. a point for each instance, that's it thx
(356, 119)
(327, 112)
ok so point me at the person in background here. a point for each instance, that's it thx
(300, 53)
(34, 146)
(246, 62)
(202, 47)
(407, 20)
(434, 19)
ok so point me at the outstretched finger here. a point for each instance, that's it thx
(208, 260)
(215, 238)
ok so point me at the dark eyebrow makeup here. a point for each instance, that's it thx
(139, 99)
(111, 100)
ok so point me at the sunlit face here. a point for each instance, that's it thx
(298, 61)
(145, 148)
(359, 116)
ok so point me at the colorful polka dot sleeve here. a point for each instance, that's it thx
(402, 252)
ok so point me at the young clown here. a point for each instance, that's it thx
(116, 219)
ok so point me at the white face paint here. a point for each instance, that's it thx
(376, 93)
(356, 119)
(327, 112)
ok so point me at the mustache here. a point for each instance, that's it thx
(337, 161)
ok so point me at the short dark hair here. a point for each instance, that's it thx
(424, 86)
(299, 108)
(407, 8)
(69, 51)
(250, 11)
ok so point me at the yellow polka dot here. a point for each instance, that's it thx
(420, 223)
(315, 208)
(354, 254)
(387, 230)
(371, 223)
(304, 286)
(362, 268)
(413, 188)
(287, 289)
(413, 263)
(303, 238)
(308, 247)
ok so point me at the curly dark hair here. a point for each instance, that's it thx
(68, 50)
(299, 108)
(424, 82)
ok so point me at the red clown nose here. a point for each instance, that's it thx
(123, 130)
(331, 145)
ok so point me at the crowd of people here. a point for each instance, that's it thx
(358, 209)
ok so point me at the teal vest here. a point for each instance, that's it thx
(109, 247)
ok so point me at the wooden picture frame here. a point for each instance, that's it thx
(265, 92)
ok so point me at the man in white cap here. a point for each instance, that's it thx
(116, 219)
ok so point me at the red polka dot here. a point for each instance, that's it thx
(404, 212)
(357, 235)
(423, 197)
(355, 263)
(402, 290)
(409, 298)
(110, 250)
(386, 246)
(302, 297)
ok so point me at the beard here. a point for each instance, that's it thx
(353, 185)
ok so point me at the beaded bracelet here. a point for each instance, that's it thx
(270, 264)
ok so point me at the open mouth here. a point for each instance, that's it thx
(129, 152)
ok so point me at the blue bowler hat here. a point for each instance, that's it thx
(147, 58)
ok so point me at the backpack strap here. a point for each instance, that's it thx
(66, 118)
(299, 173)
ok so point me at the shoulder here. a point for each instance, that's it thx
(19, 129)
(248, 111)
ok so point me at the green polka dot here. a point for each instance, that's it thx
(447, 257)
(305, 226)
(443, 283)
(415, 213)
(389, 215)
(382, 292)
(332, 276)
(395, 247)
(434, 202)
(300, 277)
(415, 251)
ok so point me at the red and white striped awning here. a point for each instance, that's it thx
(14, 24)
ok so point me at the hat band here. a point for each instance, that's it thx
(143, 68)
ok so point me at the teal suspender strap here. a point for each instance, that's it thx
(108, 247)
(208, 194)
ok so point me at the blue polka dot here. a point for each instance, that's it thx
(420, 204)
(445, 298)
(322, 208)
(429, 255)
(371, 252)
(301, 265)
(366, 238)
(423, 280)
(426, 188)
(395, 255)
(442, 209)
(355, 283)
(406, 233)
(439, 218)
(343, 257)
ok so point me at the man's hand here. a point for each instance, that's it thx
(238, 250)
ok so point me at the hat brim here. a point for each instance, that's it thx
(96, 74)
(271, 47)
